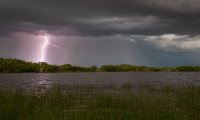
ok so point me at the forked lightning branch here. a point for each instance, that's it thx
(44, 48)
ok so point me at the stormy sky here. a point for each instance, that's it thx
(96, 32)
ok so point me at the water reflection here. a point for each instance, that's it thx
(41, 82)
(49, 80)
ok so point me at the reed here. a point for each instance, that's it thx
(102, 103)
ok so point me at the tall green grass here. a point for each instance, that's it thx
(96, 103)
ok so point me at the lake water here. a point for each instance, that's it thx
(34, 80)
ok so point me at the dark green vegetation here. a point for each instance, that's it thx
(16, 66)
(98, 103)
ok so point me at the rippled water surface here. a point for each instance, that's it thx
(33, 80)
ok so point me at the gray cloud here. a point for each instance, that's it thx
(100, 17)
(141, 32)
(172, 42)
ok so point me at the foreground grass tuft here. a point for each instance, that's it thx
(85, 103)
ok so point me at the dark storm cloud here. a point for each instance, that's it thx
(100, 17)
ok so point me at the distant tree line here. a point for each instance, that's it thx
(19, 66)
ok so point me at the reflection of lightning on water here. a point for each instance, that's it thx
(44, 46)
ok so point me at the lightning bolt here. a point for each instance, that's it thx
(44, 46)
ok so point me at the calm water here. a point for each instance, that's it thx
(33, 80)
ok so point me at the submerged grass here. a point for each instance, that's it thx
(93, 103)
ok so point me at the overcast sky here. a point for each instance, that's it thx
(96, 32)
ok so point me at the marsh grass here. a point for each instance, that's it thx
(101, 103)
